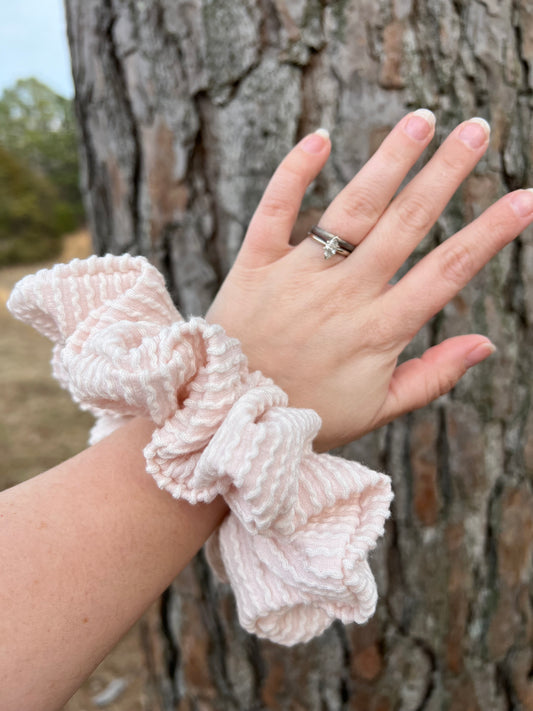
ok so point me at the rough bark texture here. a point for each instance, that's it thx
(185, 108)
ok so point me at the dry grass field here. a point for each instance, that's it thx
(39, 424)
(39, 427)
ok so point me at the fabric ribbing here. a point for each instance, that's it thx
(301, 524)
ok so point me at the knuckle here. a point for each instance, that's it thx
(285, 190)
(381, 333)
(293, 174)
(451, 165)
(435, 384)
(277, 202)
(431, 390)
(414, 214)
(440, 386)
(361, 207)
(392, 157)
(457, 264)
(291, 171)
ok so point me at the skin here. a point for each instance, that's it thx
(330, 332)
(87, 546)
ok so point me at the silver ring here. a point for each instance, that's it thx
(332, 244)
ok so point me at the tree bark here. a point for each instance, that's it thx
(185, 107)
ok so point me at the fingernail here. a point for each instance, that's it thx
(479, 353)
(475, 132)
(522, 202)
(420, 124)
(315, 142)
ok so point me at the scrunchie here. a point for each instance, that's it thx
(295, 544)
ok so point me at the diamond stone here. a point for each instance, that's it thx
(331, 247)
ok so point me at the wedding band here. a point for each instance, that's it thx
(333, 244)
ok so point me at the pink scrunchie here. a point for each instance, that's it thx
(295, 544)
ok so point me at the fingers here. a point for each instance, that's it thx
(417, 207)
(419, 381)
(268, 235)
(358, 207)
(437, 278)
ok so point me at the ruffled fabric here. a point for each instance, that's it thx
(295, 544)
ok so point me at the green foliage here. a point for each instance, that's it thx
(39, 193)
(29, 225)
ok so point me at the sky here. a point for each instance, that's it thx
(33, 43)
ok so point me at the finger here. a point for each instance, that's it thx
(269, 232)
(419, 381)
(359, 205)
(357, 208)
(417, 207)
(440, 275)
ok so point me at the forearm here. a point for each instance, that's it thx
(84, 549)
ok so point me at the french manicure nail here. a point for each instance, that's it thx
(420, 124)
(315, 142)
(479, 353)
(522, 202)
(475, 132)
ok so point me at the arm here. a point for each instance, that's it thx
(328, 332)
(85, 548)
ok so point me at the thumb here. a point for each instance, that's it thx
(269, 232)
(419, 381)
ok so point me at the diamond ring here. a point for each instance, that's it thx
(332, 244)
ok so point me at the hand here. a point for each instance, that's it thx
(330, 332)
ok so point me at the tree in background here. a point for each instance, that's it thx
(185, 108)
(39, 192)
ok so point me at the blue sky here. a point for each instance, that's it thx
(33, 42)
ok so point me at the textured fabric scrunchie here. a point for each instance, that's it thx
(295, 544)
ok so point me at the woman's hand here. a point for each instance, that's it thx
(330, 332)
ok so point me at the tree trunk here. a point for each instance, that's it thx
(185, 108)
